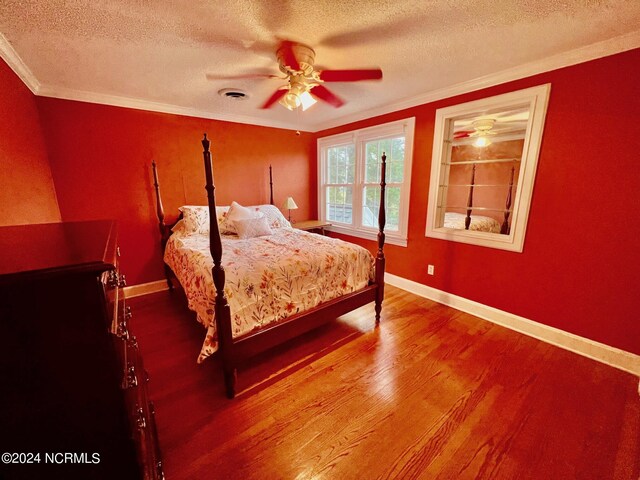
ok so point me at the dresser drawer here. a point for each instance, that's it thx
(142, 414)
(132, 375)
(62, 368)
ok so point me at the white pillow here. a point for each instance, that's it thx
(252, 227)
(238, 212)
(196, 218)
(274, 216)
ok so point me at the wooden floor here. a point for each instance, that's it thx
(432, 393)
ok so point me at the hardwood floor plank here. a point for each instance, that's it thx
(431, 393)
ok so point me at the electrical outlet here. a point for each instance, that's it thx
(431, 270)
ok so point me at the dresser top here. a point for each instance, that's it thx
(56, 248)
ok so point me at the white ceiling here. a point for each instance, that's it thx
(156, 55)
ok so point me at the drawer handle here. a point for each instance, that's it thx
(141, 422)
(127, 313)
(116, 279)
(122, 331)
(132, 378)
(112, 279)
(159, 470)
(118, 250)
(133, 342)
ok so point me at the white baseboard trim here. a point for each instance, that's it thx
(612, 356)
(145, 288)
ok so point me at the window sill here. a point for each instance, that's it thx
(393, 239)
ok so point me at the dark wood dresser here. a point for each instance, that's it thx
(73, 400)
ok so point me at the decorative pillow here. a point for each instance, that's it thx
(274, 216)
(221, 213)
(196, 218)
(238, 212)
(178, 227)
(252, 227)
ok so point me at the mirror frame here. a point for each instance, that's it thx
(537, 98)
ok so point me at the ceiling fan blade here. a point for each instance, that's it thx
(325, 94)
(290, 60)
(350, 75)
(277, 95)
(211, 76)
(463, 134)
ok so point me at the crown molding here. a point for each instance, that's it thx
(16, 64)
(137, 104)
(605, 48)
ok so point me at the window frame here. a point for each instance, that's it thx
(359, 138)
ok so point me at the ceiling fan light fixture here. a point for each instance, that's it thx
(307, 100)
(296, 61)
(290, 101)
(482, 142)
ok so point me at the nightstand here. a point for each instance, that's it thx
(311, 225)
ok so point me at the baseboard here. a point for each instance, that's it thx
(612, 356)
(145, 288)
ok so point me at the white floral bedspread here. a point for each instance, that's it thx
(478, 222)
(267, 278)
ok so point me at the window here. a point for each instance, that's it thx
(483, 167)
(349, 180)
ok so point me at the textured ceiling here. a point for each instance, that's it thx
(166, 55)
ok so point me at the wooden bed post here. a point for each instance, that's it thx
(504, 229)
(164, 231)
(221, 306)
(382, 220)
(270, 185)
(467, 220)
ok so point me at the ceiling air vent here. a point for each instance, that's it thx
(233, 93)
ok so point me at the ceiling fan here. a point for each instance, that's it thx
(305, 83)
(481, 127)
(484, 128)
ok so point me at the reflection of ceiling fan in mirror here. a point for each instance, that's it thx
(305, 83)
(483, 129)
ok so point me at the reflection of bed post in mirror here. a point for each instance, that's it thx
(484, 160)
(467, 220)
(504, 229)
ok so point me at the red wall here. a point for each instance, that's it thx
(100, 157)
(580, 265)
(27, 193)
(579, 268)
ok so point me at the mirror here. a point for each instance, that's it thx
(483, 167)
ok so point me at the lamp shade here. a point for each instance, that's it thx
(289, 204)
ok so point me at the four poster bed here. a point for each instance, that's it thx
(275, 282)
(479, 222)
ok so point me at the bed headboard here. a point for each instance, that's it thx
(165, 230)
